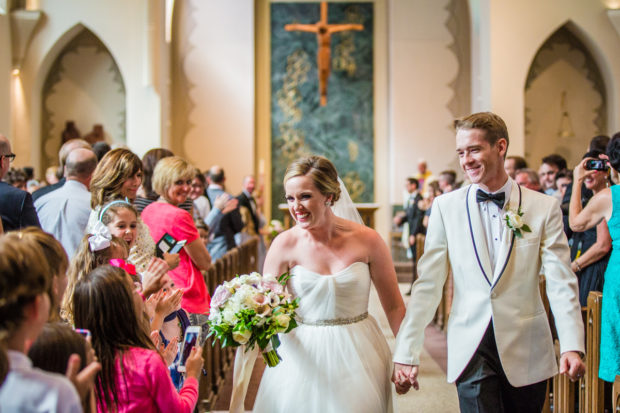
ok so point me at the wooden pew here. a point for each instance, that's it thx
(594, 388)
(219, 361)
(616, 395)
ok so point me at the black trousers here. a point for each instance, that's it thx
(484, 388)
(414, 251)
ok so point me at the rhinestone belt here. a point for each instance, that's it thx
(335, 321)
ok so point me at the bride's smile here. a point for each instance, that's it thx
(305, 202)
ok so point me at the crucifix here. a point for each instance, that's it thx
(324, 37)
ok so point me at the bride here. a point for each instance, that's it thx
(337, 360)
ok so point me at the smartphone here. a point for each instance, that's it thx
(83, 332)
(596, 165)
(177, 247)
(191, 339)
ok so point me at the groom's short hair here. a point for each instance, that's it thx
(494, 126)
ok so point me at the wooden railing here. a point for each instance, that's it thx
(588, 393)
(217, 360)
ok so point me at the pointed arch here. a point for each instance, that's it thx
(565, 97)
(53, 70)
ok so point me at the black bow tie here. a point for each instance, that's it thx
(497, 199)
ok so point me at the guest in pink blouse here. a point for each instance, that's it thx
(172, 180)
(134, 377)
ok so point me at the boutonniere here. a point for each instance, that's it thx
(514, 221)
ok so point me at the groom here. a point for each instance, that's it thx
(500, 350)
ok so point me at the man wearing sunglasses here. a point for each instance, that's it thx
(16, 207)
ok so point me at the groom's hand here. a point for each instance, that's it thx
(572, 365)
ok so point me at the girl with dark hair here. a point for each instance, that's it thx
(53, 349)
(134, 377)
(604, 206)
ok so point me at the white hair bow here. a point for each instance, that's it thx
(101, 237)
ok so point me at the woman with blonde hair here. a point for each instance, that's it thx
(118, 176)
(172, 179)
(333, 261)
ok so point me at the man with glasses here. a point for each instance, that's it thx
(16, 207)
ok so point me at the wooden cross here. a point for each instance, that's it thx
(324, 36)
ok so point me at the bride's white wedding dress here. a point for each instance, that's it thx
(337, 360)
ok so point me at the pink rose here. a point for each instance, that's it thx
(221, 295)
(262, 304)
(274, 286)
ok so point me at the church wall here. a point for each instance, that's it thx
(5, 75)
(214, 123)
(422, 67)
(518, 29)
(123, 27)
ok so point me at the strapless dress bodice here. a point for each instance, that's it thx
(340, 297)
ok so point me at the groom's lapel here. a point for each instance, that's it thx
(476, 232)
(508, 238)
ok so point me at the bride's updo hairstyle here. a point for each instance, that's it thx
(321, 170)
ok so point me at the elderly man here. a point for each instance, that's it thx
(529, 179)
(67, 147)
(64, 212)
(16, 208)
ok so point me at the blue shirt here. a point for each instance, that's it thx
(64, 214)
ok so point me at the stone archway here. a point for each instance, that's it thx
(565, 99)
(83, 85)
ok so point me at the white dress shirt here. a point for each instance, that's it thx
(28, 389)
(493, 224)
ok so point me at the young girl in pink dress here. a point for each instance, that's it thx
(134, 377)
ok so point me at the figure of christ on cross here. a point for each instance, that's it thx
(324, 37)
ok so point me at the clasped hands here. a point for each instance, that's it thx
(404, 377)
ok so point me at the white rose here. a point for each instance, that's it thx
(282, 320)
(242, 336)
(517, 221)
(228, 315)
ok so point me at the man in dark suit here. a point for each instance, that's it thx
(66, 147)
(415, 216)
(224, 231)
(16, 207)
(247, 200)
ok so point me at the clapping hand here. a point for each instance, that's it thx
(169, 352)
(153, 279)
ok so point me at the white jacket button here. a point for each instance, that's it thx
(493, 295)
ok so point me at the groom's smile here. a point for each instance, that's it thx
(481, 161)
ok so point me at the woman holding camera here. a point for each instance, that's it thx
(604, 206)
(591, 248)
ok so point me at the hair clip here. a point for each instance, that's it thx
(109, 204)
(100, 238)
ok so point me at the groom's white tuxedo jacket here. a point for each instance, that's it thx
(510, 296)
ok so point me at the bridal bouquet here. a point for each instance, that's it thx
(252, 309)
